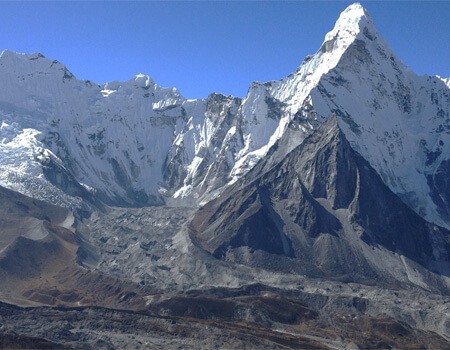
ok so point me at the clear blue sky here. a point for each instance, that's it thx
(203, 47)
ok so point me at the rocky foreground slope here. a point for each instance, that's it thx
(313, 213)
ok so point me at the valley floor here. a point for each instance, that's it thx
(137, 281)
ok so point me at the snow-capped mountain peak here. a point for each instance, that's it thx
(352, 21)
(292, 95)
(34, 63)
(354, 24)
(397, 120)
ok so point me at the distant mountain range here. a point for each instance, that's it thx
(134, 143)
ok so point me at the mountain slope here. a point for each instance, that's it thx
(396, 120)
(44, 259)
(323, 211)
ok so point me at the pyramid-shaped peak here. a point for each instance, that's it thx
(353, 21)
(354, 13)
(356, 10)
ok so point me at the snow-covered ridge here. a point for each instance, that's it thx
(185, 132)
(132, 142)
(99, 132)
(293, 92)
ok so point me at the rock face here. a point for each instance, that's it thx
(323, 211)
